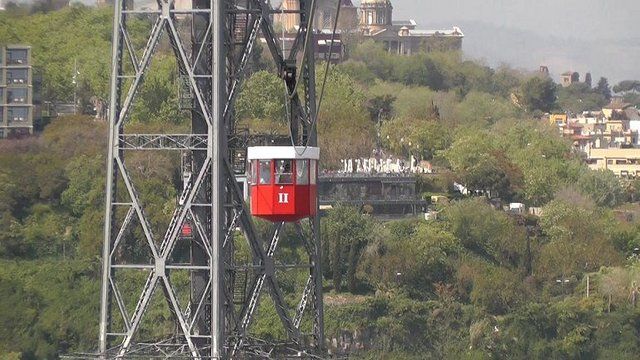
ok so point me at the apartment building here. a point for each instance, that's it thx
(16, 91)
(623, 162)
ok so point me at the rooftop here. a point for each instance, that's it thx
(409, 22)
(617, 105)
(450, 32)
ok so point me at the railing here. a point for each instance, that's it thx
(618, 169)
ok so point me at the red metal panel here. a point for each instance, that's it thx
(283, 202)
(262, 200)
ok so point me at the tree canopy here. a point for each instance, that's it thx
(472, 282)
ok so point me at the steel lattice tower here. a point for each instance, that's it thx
(215, 321)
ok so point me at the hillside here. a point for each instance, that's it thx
(475, 283)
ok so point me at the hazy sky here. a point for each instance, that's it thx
(598, 36)
(582, 19)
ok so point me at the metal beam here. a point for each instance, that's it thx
(212, 326)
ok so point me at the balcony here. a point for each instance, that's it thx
(17, 96)
(16, 81)
(621, 170)
(18, 115)
(17, 57)
(17, 77)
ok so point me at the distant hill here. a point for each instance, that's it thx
(615, 59)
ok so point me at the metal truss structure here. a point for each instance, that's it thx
(224, 293)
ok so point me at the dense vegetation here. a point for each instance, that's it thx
(475, 283)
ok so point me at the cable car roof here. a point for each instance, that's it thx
(283, 152)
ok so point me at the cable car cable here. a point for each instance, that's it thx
(305, 47)
(314, 117)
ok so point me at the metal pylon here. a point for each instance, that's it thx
(216, 320)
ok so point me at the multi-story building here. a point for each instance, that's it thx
(373, 19)
(617, 125)
(16, 91)
(324, 15)
(623, 162)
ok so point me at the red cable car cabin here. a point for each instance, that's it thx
(283, 182)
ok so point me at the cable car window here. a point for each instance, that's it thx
(265, 172)
(302, 172)
(284, 173)
(253, 171)
(313, 172)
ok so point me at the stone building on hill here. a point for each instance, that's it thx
(402, 37)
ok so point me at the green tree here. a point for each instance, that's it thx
(480, 165)
(263, 98)
(575, 245)
(344, 127)
(482, 109)
(505, 81)
(90, 49)
(380, 107)
(422, 139)
(414, 260)
(157, 99)
(539, 94)
(85, 189)
(588, 80)
(602, 186)
(358, 70)
(488, 233)
(346, 232)
(419, 70)
(579, 97)
(544, 160)
(603, 88)
(626, 86)
(498, 290)
(377, 59)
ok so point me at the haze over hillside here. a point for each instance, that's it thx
(580, 35)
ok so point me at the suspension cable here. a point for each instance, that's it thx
(305, 47)
(314, 117)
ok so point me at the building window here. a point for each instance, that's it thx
(369, 18)
(17, 57)
(380, 18)
(18, 114)
(17, 96)
(17, 76)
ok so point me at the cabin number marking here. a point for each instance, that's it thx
(283, 198)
